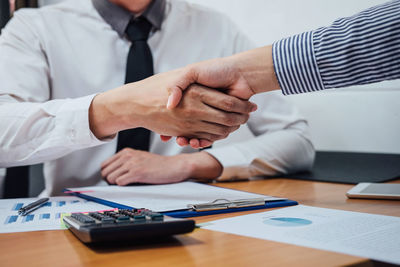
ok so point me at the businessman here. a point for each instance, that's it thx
(281, 143)
(82, 47)
(51, 84)
(355, 50)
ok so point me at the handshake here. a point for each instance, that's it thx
(199, 104)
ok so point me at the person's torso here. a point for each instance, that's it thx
(86, 56)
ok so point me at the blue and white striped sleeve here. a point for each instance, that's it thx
(361, 49)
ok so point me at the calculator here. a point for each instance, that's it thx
(125, 224)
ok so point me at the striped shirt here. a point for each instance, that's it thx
(361, 49)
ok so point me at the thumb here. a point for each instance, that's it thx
(175, 96)
(186, 77)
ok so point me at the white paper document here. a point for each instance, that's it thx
(47, 217)
(359, 234)
(167, 197)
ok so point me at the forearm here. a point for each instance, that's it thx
(38, 132)
(284, 152)
(279, 152)
(355, 50)
(107, 116)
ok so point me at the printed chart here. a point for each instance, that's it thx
(287, 222)
(47, 217)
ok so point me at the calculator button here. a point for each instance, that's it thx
(123, 218)
(156, 217)
(127, 212)
(82, 218)
(139, 217)
(107, 220)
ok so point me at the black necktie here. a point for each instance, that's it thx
(138, 67)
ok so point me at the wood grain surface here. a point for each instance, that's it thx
(202, 247)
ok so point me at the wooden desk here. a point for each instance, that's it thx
(202, 247)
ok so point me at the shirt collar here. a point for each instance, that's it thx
(118, 17)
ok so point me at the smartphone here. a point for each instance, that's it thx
(374, 190)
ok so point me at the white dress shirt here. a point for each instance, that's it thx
(53, 60)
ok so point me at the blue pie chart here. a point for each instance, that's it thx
(287, 222)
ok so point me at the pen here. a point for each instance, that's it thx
(33, 206)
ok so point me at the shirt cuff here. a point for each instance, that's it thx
(236, 165)
(229, 156)
(295, 64)
(72, 123)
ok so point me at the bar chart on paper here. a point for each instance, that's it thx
(47, 217)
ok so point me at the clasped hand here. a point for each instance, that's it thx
(203, 113)
(194, 112)
(241, 75)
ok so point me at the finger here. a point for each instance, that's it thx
(108, 161)
(111, 167)
(186, 76)
(219, 117)
(231, 119)
(165, 138)
(174, 98)
(226, 102)
(211, 128)
(194, 143)
(205, 143)
(209, 131)
(207, 136)
(125, 179)
(182, 141)
(200, 143)
(113, 176)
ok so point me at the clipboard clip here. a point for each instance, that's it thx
(222, 203)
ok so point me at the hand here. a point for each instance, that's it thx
(241, 75)
(136, 166)
(219, 114)
(142, 104)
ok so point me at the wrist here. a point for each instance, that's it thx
(202, 165)
(99, 117)
(257, 68)
(107, 115)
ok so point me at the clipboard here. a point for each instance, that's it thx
(266, 205)
(191, 208)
